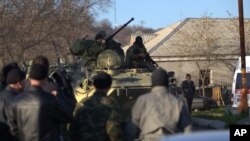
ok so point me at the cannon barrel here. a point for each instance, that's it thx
(112, 35)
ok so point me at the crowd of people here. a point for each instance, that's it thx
(31, 108)
(29, 105)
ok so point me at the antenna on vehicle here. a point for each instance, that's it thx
(57, 54)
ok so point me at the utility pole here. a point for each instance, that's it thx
(243, 107)
(115, 13)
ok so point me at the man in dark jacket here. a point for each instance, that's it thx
(59, 86)
(188, 89)
(4, 72)
(36, 115)
(15, 83)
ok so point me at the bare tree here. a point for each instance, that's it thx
(234, 27)
(204, 43)
(26, 25)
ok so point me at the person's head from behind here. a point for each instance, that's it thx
(16, 79)
(42, 60)
(102, 81)
(5, 70)
(188, 77)
(159, 78)
(38, 74)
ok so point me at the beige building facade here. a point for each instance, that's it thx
(206, 48)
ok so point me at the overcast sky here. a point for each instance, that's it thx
(161, 13)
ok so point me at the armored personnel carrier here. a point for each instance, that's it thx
(127, 84)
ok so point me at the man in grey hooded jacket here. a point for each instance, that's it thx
(159, 112)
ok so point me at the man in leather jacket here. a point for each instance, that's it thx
(36, 115)
(15, 83)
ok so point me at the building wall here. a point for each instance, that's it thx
(220, 73)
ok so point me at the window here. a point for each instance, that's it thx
(205, 74)
(239, 81)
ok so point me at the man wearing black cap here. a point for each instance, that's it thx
(98, 118)
(15, 83)
(4, 72)
(138, 57)
(36, 114)
(159, 113)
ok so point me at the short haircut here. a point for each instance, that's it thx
(159, 77)
(102, 80)
(38, 72)
(42, 60)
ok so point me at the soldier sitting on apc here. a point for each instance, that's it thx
(138, 57)
(91, 53)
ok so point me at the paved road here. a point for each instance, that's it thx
(199, 128)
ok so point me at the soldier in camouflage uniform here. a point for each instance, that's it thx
(138, 57)
(98, 118)
(91, 53)
(89, 50)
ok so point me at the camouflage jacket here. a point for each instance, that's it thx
(97, 119)
(91, 53)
